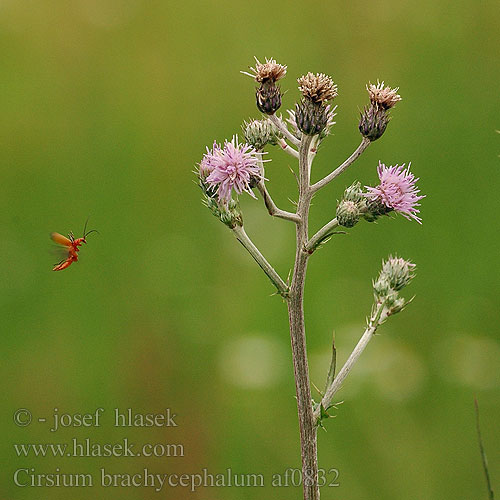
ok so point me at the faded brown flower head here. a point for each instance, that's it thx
(385, 97)
(270, 71)
(318, 87)
(373, 121)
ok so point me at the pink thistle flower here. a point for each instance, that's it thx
(208, 161)
(232, 168)
(397, 190)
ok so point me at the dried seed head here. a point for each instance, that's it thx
(270, 71)
(318, 88)
(311, 118)
(385, 97)
(373, 122)
(268, 97)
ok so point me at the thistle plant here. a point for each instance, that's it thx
(226, 171)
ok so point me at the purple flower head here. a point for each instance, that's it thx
(397, 190)
(208, 161)
(232, 167)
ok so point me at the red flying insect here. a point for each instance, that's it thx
(71, 244)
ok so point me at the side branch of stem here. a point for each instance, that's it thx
(281, 126)
(271, 206)
(371, 328)
(288, 149)
(243, 238)
(323, 182)
(323, 233)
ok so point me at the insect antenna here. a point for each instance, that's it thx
(91, 231)
(85, 226)
(85, 234)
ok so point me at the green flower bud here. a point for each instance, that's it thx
(350, 207)
(258, 133)
(229, 214)
(354, 193)
(381, 287)
(373, 209)
(397, 306)
(391, 298)
(398, 272)
(347, 213)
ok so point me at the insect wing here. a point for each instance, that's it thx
(60, 239)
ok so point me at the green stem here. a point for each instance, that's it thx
(243, 238)
(370, 330)
(483, 453)
(323, 182)
(323, 233)
(307, 423)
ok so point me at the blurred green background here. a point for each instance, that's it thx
(107, 105)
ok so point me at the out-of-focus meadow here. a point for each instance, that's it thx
(107, 105)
